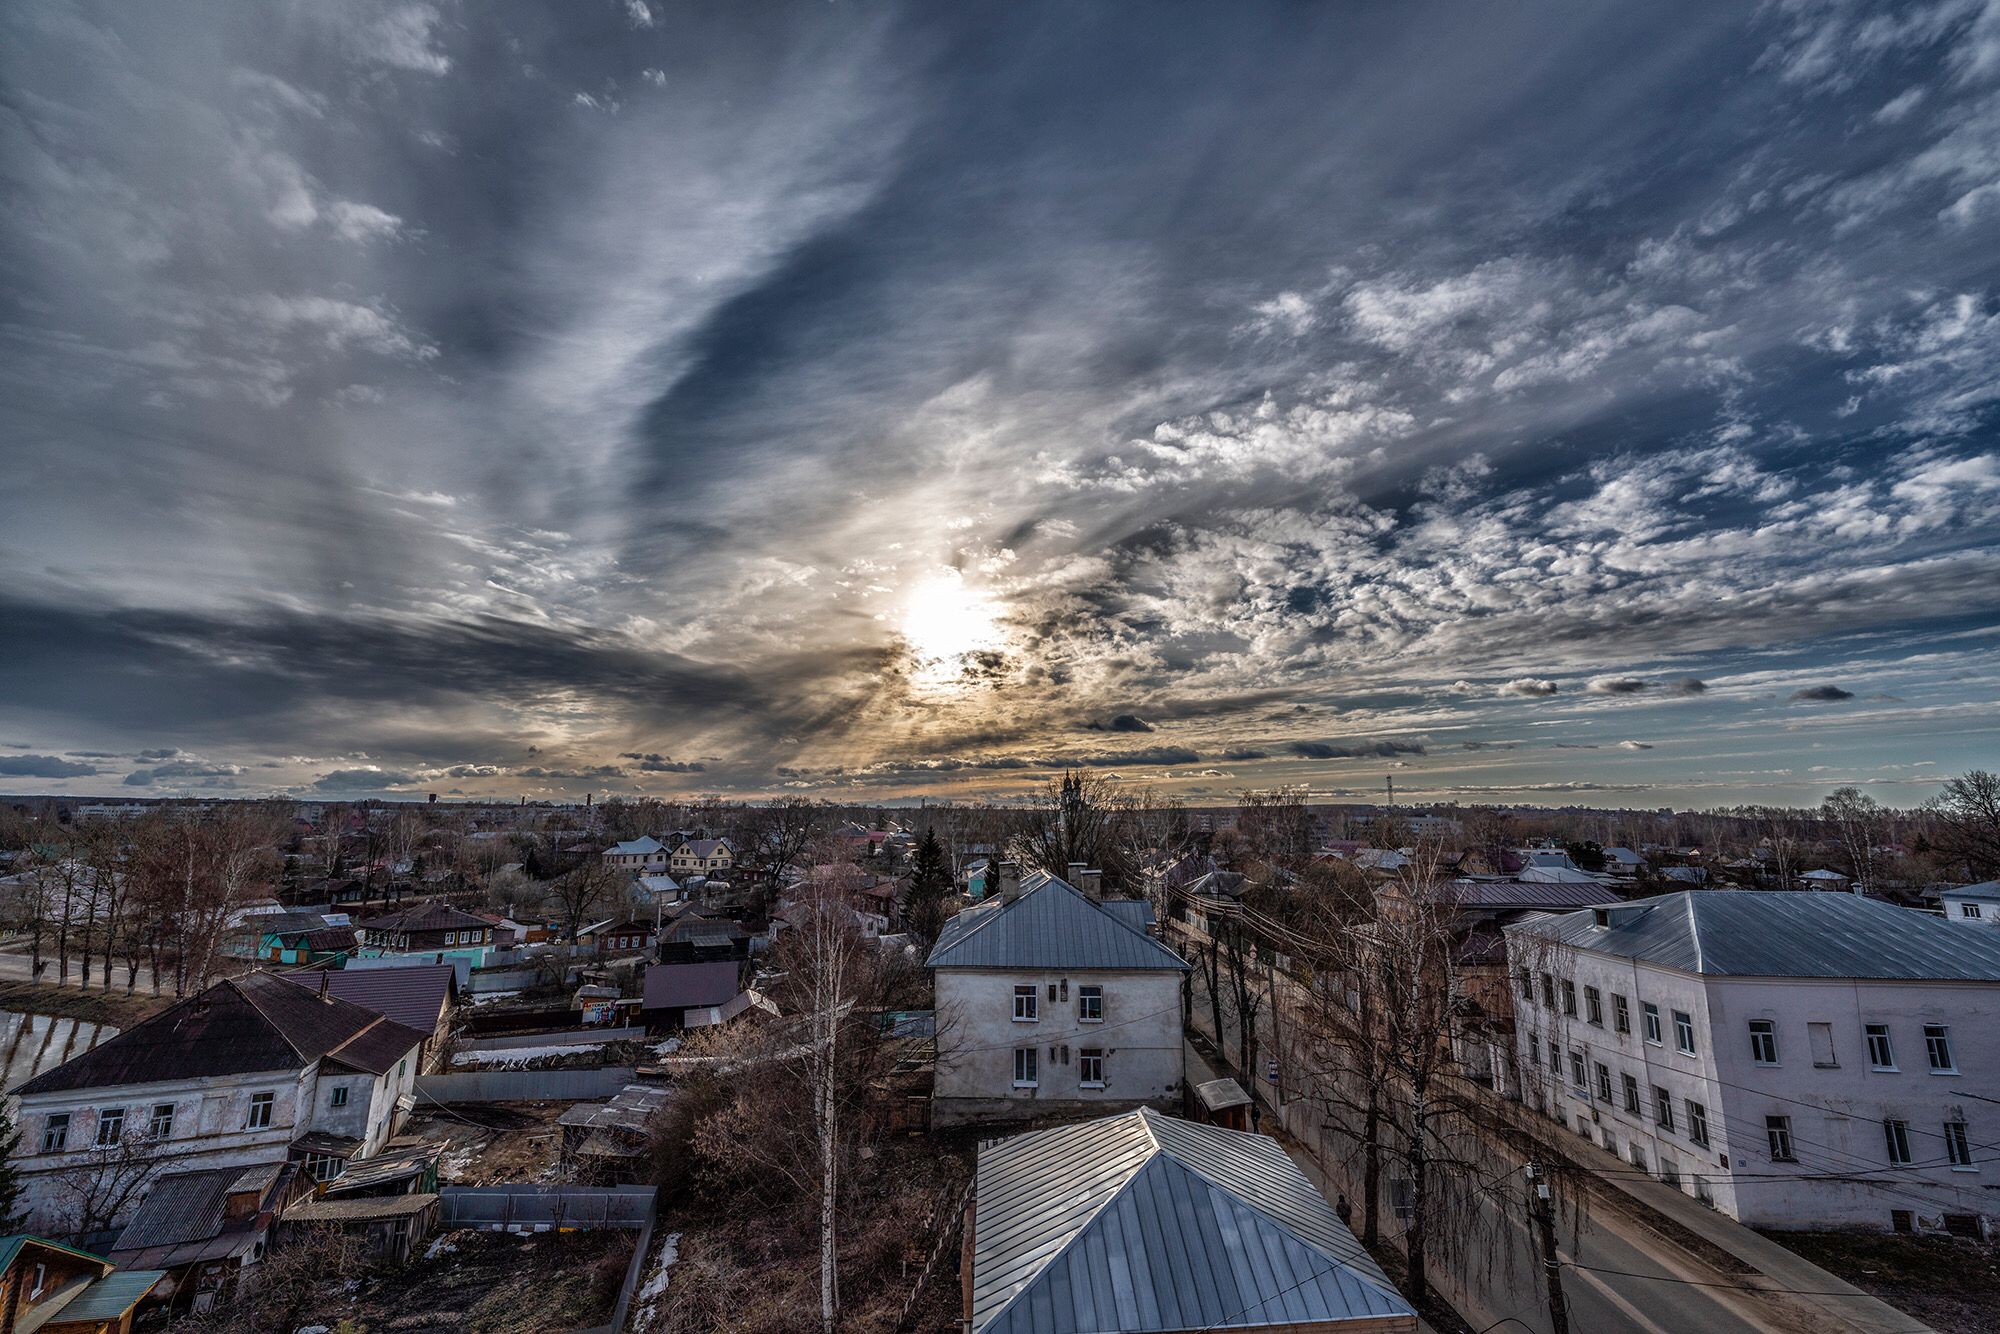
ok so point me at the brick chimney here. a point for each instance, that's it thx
(1092, 884)
(1010, 881)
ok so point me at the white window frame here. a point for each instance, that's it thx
(1593, 1007)
(263, 1107)
(1663, 1109)
(55, 1133)
(338, 1097)
(1090, 1004)
(1896, 1139)
(1958, 1145)
(161, 1124)
(1632, 1102)
(1027, 1005)
(1880, 1032)
(1763, 1042)
(1937, 1049)
(110, 1126)
(1026, 1071)
(1684, 1033)
(1697, 1123)
(1778, 1138)
(1969, 910)
(1569, 998)
(1652, 1014)
(1578, 1076)
(1086, 1057)
(1621, 1013)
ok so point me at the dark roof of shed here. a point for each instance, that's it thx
(241, 1025)
(426, 917)
(414, 996)
(679, 985)
(1780, 933)
(1053, 924)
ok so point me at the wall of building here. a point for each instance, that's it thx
(1843, 1176)
(1984, 912)
(1140, 1036)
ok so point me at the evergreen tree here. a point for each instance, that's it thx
(924, 910)
(10, 1181)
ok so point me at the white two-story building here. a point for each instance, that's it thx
(1972, 905)
(1799, 1060)
(254, 1070)
(1051, 1000)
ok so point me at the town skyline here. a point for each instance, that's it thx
(883, 403)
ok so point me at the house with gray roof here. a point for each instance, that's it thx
(1972, 905)
(1798, 1060)
(1051, 1000)
(1141, 1222)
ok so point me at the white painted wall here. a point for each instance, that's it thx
(1836, 1111)
(1982, 912)
(1140, 1036)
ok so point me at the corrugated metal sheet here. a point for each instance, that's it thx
(1051, 925)
(1780, 933)
(1143, 1222)
(524, 1085)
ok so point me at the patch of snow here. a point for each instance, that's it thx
(667, 1048)
(655, 1286)
(515, 1055)
(443, 1245)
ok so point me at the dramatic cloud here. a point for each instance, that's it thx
(667, 400)
(1822, 694)
(44, 766)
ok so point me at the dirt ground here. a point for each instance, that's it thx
(491, 1283)
(492, 1144)
(97, 1007)
(1950, 1284)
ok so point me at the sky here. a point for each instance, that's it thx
(1542, 402)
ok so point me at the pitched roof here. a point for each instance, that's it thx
(1987, 891)
(1779, 933)
(432, 916)
(1143, 1222)
(182, 1207)
(11, 1246)
(1526, 893)
(241, 1025)
(110, 1297)
(1053, 924)
(679, 985)
(413, 996)
(644, 846)
(706, 847)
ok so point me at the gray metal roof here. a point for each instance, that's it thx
(1780, 933)
(1053, 924)
(1987, 891)
(1143, 1222)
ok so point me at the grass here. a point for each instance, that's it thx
(112, 1007)
(1950, 1284)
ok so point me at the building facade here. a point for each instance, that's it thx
(1050, 1001)
(1798, 1060)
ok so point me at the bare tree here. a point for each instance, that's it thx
(96, 1190)
(579, 892)
(1966, 820)
(1083, 818)
(1857, 822)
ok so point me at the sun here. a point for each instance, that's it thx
(943, 620)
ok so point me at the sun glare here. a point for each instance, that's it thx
(943, 620)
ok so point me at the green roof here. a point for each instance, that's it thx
(113, 1295)
(10, 1247)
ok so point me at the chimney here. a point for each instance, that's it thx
(1090, 880)
(325, 980)
(1010, 881)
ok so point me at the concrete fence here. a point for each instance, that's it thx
(528, 1208)
(524, 1085)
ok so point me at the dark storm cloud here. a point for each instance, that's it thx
(1329, 750)
(184, 772)
(44, 766)
(1822, 694)
(354, 348)
(362, 780)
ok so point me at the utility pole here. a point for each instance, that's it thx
(1543, 1212)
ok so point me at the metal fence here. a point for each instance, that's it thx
(524, 1085)
(589, 1037)
(545, 1208)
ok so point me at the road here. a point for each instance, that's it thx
(1654, 1288)
(15, 967)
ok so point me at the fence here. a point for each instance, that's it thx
(548, 1208)
(524, 1085)
(587, 1037)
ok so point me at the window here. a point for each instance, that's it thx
(161, 1126)
(1778, 1130)
(1576, 1068)
(1937, 1049)
(1902, 1220)
(1897, 1134)
(55, 1133)
(1526, 984)
(1763, 1042)
(1024, 1067)
(1534, 1051)
(1025, 1001)
(1593, 1006)
(260, 1111)
(1880, 1054)
(1652, 1023)
(1603, 1083)
(1631, 1094)
(1090, 1067)
(338, 1097)
(1968, 910)
(1638, 1157)
(1569, 998)
(1090, 1005)
(1670, 1172)
(324, 1166)
(451, 937)
(110, 1125)
(1663, 1109)
(1697, 1123)
(1684, 1032)
(1958, 1146)
(1621, 1014)
(1548, 991)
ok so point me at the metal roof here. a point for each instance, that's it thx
(1526, 893)
(1987, 891)
(1053, 924)
(1142, 1222)
(110, 1297)
(415, 996)
(680, 985)
(1779, 933)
